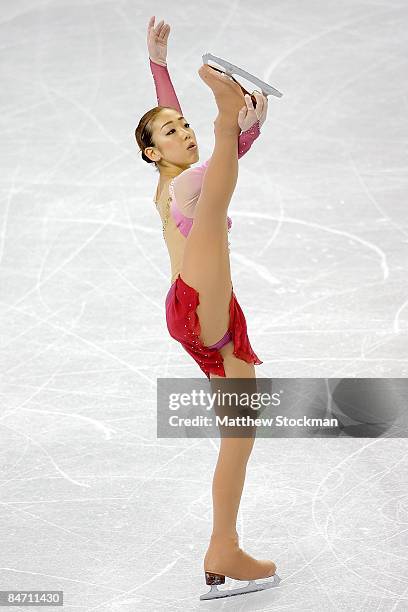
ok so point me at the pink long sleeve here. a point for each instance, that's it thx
(246, 138)
(166, 96)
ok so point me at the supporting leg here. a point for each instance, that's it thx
(228, 484)
(224, 557)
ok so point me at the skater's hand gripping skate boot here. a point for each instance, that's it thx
(157, 41)
(249, 114)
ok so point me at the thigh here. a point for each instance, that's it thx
(236, 368)
(233, 366)
(206, 268)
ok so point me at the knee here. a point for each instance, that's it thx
(240, 448)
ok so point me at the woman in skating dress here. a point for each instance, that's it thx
(202, 312)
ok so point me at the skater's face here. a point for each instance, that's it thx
(172, 135)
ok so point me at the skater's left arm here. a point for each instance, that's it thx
(247, 138)
(186, 187)
(250, 120)
(157, 47)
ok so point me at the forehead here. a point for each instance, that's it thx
(167, 114)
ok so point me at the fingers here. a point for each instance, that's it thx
(249, 102)
(249, 114)
(242, 117)
(150, 27)
(261, 105)
(164, 31)
(161, 29)
(259, 101)
(158, 27)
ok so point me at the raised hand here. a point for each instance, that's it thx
(248, 115)
(157, 41)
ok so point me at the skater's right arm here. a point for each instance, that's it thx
(186, 187)
(165, 94)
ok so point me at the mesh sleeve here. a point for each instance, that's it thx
(165, 93)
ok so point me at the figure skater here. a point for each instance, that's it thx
(202, 312)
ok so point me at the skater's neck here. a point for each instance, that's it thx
(171, 171)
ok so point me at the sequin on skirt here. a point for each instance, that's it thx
(184, 326)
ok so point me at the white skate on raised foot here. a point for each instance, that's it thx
(215, 579)
(231, 69)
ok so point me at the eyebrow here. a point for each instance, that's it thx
(170, 122)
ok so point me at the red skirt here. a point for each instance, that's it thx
(184, 326)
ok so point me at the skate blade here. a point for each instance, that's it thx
(230, 69)
(251, 587)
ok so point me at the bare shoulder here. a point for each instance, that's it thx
(162, 187)
(159, 189)
(156, 194)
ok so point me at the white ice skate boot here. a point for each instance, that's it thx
(214, 580)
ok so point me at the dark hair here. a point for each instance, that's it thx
(143, 132)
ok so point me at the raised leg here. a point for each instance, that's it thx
(206, 265)
(206, 268)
